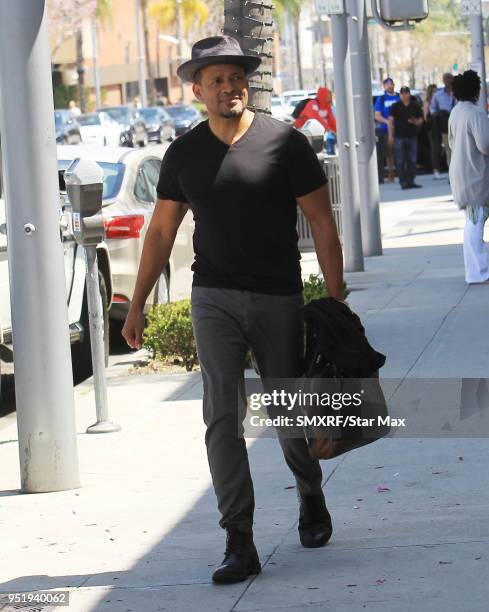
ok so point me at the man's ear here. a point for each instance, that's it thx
(196, 91)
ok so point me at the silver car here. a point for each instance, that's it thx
(129, 196)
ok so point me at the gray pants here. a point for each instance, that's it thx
(226, 322)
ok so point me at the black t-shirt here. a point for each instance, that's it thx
(401, 114)
(243, 198)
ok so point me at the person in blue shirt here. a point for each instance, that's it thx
(382, 110)
(441, 106)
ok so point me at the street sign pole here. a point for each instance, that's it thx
(473, 10)
(365, 127)
(43, 377)
(347, 145)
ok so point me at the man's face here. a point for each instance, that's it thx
(223, 88)
(405, 97)
(389, 87)
(448, 81)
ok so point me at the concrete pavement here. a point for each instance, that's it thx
(142, 535)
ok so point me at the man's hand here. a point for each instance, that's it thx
(133, 329)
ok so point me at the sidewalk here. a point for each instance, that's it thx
(142, 535)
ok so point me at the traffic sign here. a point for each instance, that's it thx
(330, 7)
(470, 8)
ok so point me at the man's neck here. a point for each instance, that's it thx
(232, 129)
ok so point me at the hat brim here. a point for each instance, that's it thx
(188, 69)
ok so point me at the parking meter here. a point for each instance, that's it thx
(314, 132)
(400, 10)
(84, 185)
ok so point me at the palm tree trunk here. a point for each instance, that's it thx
(149, 68)
(251, 23)
(80, 68)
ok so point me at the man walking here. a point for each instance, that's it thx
(242, 174)
(404, 119)
(384, 148)
(441, 106)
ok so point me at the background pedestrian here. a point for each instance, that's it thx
(468, 134)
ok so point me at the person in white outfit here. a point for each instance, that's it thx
(468, 134)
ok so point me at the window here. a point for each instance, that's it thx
(147, 180)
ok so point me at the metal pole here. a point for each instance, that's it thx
(96, 319)
(350, 192)
(478, 56)
(96, 69)
(180, 43)
(43, 377)
(141, 65)
(365, 127)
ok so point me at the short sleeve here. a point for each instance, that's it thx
(304, 169)
(168, 187)
(378, 104)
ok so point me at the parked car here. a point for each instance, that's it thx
(158, 122)
(129, 196)
(100, 129)
(184, 117)
(279, 110)
(67, 128)
(74, 260)
(133, 130)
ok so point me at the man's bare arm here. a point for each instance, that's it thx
(316, 206)
(158, 243)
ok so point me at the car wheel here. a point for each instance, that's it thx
(162, 290)
(81, 353)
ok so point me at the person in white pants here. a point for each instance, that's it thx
(468, 134)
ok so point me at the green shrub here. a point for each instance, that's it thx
(315, 289)
(169, 333)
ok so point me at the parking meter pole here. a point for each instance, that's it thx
(43, 377)
(478, 56)
(141, 62)
(365, 127)
(96, 319)
(347, 150)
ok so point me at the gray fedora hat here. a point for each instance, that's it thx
(216, 50)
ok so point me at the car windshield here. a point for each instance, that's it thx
(182, 112)
(113, 175)
(120, 114)
(277, 102)
(88, 119)
(149, 114)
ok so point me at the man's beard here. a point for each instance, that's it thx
(236, 111)
(232, 113)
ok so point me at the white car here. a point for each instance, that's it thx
(129, 196)
(100, 129)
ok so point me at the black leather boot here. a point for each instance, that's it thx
(315, 527)
(240, 558)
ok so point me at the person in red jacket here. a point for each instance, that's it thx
(320, 109)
